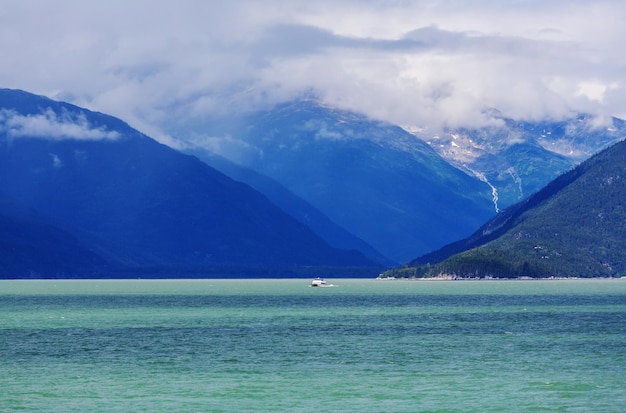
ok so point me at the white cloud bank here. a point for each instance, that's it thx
(49, 125)
(162, 65)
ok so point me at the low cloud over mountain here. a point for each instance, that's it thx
(139, 205)
(50, 125)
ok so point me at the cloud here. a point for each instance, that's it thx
(56, 161)
(595, 90)
(320, 128)
(165, 67)
(49, 125)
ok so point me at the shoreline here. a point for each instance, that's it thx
(458, 278)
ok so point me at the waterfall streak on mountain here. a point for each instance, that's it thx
(494, 190)
(517, 179)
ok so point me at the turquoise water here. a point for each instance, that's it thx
(281, 346)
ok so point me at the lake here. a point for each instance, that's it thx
(282, 346)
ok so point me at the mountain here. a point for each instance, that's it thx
(140, 204)
(374, 179)
(32, 247)
(518, 158)
(575, 226)
(295, 206)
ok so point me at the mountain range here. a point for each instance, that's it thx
(295, 206)
(116, 198)
(373, 179)
(301, 188)
(575, 226)
(518, 158)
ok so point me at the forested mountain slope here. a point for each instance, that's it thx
(575, 226)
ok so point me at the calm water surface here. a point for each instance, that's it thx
(281, 346)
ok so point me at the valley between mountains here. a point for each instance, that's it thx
(300, 189)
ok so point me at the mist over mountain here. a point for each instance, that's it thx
(138, 203)
(374, 179)
(517, 158)
(575, 226)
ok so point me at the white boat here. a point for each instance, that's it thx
(318, 282)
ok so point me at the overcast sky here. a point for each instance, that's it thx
(415, 63)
